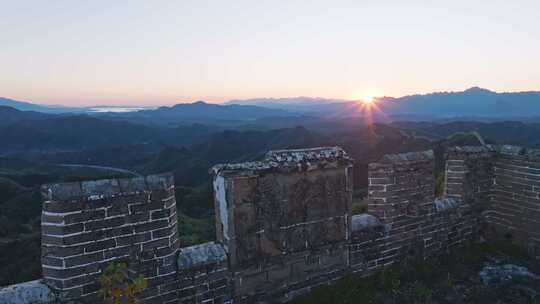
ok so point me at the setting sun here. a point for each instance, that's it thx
(367, 99)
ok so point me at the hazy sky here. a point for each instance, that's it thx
(164, 52)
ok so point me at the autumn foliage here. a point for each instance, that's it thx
(117, 286)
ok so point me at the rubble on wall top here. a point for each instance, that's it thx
(298, 155)
(409, 157)
(202, 254)
(99, 189)
(470, 152)
(293, 158)
(255, 165)
(471, 149)
(509, 150)
(519, 151)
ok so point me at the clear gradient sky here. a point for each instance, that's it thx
(164, 52)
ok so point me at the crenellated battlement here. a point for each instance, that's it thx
(288, 161)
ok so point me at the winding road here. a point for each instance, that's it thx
(119, 170)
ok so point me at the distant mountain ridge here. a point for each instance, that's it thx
(474, 102)
(28, 106)
(503, 132)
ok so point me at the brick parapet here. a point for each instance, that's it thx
(401, 186)
(412, 221)
(515, 197)
(87, 226)
(469, 173)
(504, 182)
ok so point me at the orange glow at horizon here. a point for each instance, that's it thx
(369, 108)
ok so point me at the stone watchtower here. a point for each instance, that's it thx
(285, 221)
(88, 225)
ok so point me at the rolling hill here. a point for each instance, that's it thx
(28, 106)
(199, 112)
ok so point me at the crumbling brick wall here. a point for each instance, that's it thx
(504, 183)
(368, 236)
(285, 221)
(401, 194)
(469, 174)
(401, 187)
(451, 224)
(203, 274)
(515, 198)
(405, 219)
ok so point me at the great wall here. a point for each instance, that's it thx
(284, 224)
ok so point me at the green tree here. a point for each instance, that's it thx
(118, 288)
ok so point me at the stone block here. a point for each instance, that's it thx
(29, 292)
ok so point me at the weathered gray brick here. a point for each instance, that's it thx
(83, 259)
(100, 245)
(151, 226)
(62, 230)
(106, 223)
(134, 239)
